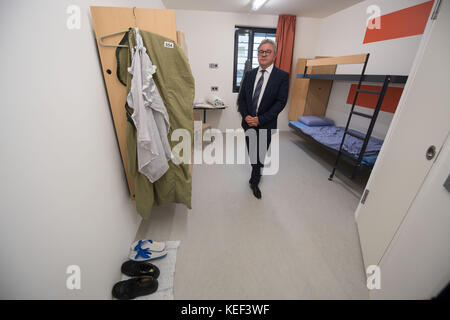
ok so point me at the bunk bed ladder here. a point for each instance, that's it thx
(382, 93)
(373, 118)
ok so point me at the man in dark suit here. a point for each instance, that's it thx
(263, 95)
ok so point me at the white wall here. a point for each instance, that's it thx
(343, 34)
(415, 260)
(64, 198)
(210, 39)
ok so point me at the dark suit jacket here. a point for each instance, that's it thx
(273, 100)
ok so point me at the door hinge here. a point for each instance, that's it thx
(436, 10)
(364, 197)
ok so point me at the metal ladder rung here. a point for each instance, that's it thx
(359, 90)
(368, 91)
(356, 135)
(363, 115)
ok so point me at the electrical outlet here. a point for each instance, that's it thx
(214, 88)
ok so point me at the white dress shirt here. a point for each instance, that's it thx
(149, 116)
(266, 78)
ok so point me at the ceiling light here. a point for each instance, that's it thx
(258, 4)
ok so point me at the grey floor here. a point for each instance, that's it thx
(299, 241)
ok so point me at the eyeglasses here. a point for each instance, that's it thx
(261, 52)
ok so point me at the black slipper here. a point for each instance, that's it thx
(134, 287)
(139, 268)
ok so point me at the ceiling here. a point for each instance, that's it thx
(302, 8)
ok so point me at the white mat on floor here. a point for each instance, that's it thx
(166, 267)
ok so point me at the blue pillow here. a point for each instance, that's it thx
(315, 121)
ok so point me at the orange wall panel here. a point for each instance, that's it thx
(390, 102)
(403, 23)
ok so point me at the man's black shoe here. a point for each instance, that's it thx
(139, 268)
(256, 191)
(134, 287)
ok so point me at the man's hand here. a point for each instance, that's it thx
(252, 121)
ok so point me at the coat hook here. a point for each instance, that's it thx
(135, 24)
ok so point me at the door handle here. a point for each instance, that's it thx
(431, 152)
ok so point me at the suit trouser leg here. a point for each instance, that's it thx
(257, 155)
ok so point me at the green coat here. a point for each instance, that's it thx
(175, 83)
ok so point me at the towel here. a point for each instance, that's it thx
(214, 100)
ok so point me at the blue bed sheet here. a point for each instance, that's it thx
(331, 136)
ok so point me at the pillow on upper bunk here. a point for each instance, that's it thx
(315, 121)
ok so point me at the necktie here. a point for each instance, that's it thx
(257, 91)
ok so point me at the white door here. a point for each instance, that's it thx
(417, 262)
(421, 121)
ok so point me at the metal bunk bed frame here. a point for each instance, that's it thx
(385, 79)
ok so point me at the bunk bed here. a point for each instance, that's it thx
(359, 149)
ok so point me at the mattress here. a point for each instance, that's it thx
(331, 137)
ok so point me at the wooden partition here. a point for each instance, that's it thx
(108, 20)
(310, 96)
(181, 40)
(353, 59)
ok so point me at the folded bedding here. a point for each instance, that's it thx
(316, 121)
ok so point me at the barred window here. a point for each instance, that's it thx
(246, 42)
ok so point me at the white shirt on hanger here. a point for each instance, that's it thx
(150, 115)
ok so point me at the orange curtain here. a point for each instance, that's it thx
(285, 42)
